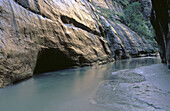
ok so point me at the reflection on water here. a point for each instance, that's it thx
(134, 63)
(66, 90)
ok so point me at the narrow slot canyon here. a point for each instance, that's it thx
(84, 55)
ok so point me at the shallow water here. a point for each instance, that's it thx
(66, 90)
(141, 89)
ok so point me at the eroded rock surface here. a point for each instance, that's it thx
(124, 42)
(38, 34)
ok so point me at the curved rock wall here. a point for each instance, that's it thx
(160, 20)
(38, 36)
(125, 43)
(29, 28)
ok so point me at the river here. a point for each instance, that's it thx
(68, 90)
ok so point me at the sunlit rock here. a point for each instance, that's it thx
(39, 36)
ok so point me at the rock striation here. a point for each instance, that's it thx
(123, 41)
(38, 36)
(160, 20)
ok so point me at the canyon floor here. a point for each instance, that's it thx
(142, 89)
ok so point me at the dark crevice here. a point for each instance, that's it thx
(36, 5)
(25, 4)
(49, 60)
(98, 26)
(93, 14)
(104, 46)
(71, 21)
(149, 104)
(101, 30)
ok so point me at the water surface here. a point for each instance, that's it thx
(65, 90)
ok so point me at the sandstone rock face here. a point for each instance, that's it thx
(111, 5)
(160, 20)
(124, 42)
(45, 35)
(39, 36)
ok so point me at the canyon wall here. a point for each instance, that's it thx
(38, 36)
(123, 41)
(160, 20)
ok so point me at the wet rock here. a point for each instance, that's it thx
(48, 32)
(124, 42)
(160, 20)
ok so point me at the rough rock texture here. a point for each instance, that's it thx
(39, 36)
(124, 42)
(111, 5)
(160, 20)
(108, 4)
